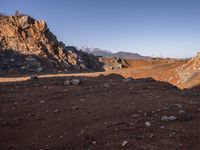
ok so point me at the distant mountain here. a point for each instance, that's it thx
(128, 55)
(96, 51)
(106, 53)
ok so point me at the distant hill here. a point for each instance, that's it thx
(106, 53)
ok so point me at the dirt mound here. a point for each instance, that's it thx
(31, 39)
(190, 72)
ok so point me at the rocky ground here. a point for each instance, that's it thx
(99, 112)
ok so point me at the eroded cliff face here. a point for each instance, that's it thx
(27, 45)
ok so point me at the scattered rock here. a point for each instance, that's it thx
(151, 136)
(147, 124)
(166, 108)
(66, 83)
(72, 82)
(178, 105)
(39, 69)
(56, 110)
(75, 108)
(82, 100)
(94, 142)
(131, 88)
(162, 127)
(170, 118)
(42, 101)
(135, 115)
(106, 85)
(124, 143)
(181, 111)
(75, 81)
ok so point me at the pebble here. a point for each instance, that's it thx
(181, 111)
(124, 143)
(82, 100)
(172, 118)
(75, 108)
(162, 127)
(42, 101)
(73, 82)
(151, 136)
(178, 105)
(94, 142)
(147, 124)
(166, 108)
(55, 111)
(158, 110)
(106, 85)
(66, 83)
(135, 115)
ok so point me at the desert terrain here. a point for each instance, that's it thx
(56, 97)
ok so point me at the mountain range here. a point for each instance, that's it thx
(106, 53)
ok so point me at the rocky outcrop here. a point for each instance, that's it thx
(114, 63)
(190, 70)
(28, 45)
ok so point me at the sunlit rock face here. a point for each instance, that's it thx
(190, 70)
(29, 43)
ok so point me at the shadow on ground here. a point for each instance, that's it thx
(14, 64)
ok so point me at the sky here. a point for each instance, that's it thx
(164, 28)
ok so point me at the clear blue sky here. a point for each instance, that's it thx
(169, 28)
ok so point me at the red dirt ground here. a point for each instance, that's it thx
(102, 112)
